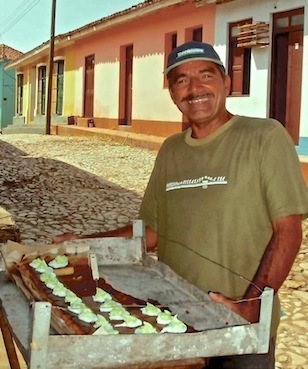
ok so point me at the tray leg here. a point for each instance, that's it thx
(40, 334)
(265, 320)
(8, 340)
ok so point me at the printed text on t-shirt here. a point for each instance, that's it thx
(203, 182)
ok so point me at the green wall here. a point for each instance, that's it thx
(7, 95)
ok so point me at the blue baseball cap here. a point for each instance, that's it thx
(190, 51)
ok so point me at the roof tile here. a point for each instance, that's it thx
(8, 53)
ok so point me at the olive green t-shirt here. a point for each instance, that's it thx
(212, 201)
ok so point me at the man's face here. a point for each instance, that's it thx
(199, 90)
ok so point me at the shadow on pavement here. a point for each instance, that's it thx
(7, 149)
(47, 197)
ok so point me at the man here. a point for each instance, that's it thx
(226, 198)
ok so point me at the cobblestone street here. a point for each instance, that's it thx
(53, 184)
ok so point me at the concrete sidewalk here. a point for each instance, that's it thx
(124, 137)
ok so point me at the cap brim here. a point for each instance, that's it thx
(218, 62)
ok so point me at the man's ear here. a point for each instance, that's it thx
(171, 94)
(227, 84)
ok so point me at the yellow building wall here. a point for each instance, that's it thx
(68, 55)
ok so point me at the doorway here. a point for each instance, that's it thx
(126, 85)
(89, 87)
(286, 71)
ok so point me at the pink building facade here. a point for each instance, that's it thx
(112, 69)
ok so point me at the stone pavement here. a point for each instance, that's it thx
(55, 184)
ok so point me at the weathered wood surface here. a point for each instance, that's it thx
(8, 339)
(8, 228)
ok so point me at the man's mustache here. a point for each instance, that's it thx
(195, 96)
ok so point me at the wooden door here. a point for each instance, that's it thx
(294, 84)
(128, 85)
(89, 86)
(279, 78)
(286, 73)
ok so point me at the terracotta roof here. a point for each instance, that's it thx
(138, 6)
(8, 53)
(223, 1)
(203, 2)
(132, 9)
(124, 15)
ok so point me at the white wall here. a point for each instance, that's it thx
(257, 103)
(148, 91)
(106, 90)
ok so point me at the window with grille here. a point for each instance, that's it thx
(19, 97)
(194, 34)
(41, 92)
(197, 34)
(59, 81)
(170, 44)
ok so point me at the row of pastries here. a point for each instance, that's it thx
(116, 312)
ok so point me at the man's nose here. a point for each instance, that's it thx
(195, 84)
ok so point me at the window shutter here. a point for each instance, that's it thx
(237, 71)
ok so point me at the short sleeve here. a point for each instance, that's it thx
(149, 206)
(284, 186)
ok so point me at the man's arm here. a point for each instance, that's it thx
(127, 231)
(274, 267)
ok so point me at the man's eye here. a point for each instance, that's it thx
(181, 81)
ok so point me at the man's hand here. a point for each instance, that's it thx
(248, 310)
(274, 267)
(64, 237)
